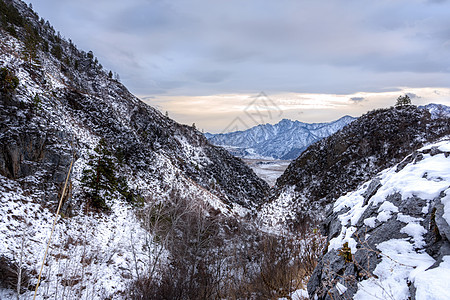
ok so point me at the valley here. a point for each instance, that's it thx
(131, 204)
(267, 169)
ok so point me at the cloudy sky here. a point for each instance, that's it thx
(208, 61)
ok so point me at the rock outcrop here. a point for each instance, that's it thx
(391, 236)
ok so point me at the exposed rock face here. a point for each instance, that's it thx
(338, 164)
(387, 237)
(28, 147)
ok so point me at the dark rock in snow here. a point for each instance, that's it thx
(430, 236)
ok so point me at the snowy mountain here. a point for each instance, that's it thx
(59, 107)
(284, 140)
(438, 110)
(69, 94)
(340, 163)
(389, 238)
(146, 208)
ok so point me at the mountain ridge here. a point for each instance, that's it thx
(63, 80)
(337, 164)
(154, 211)
(283, 140)
(131, 164)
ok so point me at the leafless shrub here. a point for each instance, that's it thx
(215, 257)
(9, 274)
(189, 231)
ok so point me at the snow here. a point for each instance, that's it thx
(426, 208)
(98, 242)
(404, 261)
(341, 288)
(434, 283)
(442, 145)
(267, 169)
(370, 222)
(194, 153)
(446, 202)
(298, 295)
(398, 266)
(416, 231)
(408, 219)
(344, 237)
(416, 179)
(385, 211)
(272, 215)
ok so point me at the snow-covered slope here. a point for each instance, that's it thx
(65, 107)
(284, 140)
(338, 164)
(390, 238)
(71, 99)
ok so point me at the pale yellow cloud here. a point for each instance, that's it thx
(214, 113)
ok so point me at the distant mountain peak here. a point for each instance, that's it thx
(283, 140)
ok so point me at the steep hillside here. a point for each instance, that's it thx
(284, 140)
(58, 106)
(390, 237)
(338, 164)
(67, 92)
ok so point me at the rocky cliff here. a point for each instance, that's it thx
(390, 237)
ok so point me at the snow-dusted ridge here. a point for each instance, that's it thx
(399, 222)
(61, 109)
(284, 140)
(341, 162)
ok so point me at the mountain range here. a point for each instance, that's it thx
(283, 140)
(438, 110)
(104, 197)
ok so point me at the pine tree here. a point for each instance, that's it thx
(99, 181)
(403, 101)
(8, 81)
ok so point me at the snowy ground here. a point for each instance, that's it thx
(266, 169)
(87, 256)
(404, 261)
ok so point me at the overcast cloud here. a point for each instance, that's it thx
(198, 48)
